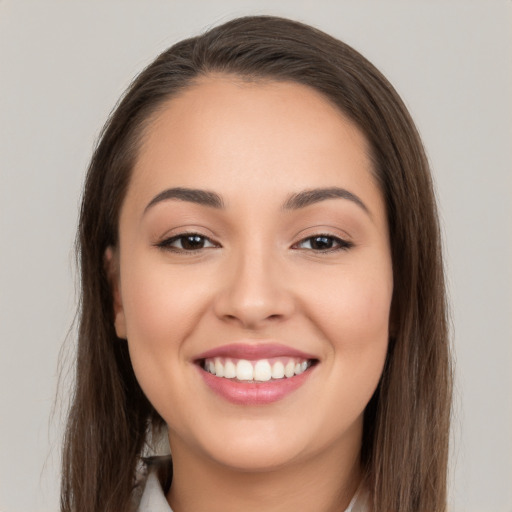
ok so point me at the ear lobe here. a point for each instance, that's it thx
(111, 263)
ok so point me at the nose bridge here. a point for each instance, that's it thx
(255, 290)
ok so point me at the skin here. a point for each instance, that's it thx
(257, 278)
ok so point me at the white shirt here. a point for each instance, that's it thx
(153, 498)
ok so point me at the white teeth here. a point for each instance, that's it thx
(278, 370)
(289, 369)
(301, 367)
(244, 370)
(219, 368)
(229, 370)
(262, 370)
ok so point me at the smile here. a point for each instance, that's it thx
(255, 374)
(262, 370)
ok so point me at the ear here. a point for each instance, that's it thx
(111, 262)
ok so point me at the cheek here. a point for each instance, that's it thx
(160, 304)
(355, 310)
(354, 318)
(161, 310)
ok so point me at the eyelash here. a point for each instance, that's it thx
(167, 243)
(342, 245)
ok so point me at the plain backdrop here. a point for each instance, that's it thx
(64, 64)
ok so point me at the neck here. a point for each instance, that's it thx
(324, 483)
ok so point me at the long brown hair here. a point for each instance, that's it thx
(406, 424)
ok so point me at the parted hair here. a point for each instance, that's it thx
(406, 424)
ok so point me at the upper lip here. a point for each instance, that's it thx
(254, 352)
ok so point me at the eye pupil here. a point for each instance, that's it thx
(191, 242)
(321, 243)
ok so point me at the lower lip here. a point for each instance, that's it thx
(254, 393)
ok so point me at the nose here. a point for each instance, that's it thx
(255, 291)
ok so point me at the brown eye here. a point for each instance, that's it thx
(192, 242)
(323, 243)
(187, 242)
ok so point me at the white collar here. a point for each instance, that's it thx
(153, 498)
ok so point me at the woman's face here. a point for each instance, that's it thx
(253, 244)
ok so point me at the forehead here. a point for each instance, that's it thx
(226, 133)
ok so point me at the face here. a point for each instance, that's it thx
(253, 278)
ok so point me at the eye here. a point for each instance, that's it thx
(323, 243)
(187, 242)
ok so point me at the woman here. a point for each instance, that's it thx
(262, 275)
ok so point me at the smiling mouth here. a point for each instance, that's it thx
(253, 371)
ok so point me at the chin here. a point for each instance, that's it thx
(263, 445)
(256, 459)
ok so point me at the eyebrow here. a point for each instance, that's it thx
(294, 202)
(191, 195)
(309, 197)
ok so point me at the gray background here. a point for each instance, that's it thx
(62, 67)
